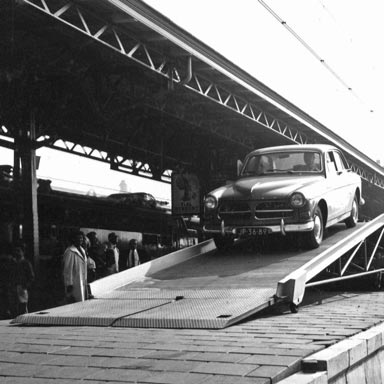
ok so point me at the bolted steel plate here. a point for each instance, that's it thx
(147, 308)
(202, 309)
(91, 312)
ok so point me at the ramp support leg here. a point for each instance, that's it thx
(292, 289)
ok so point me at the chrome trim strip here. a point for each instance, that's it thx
(274, 228)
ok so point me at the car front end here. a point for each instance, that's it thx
(246, 216)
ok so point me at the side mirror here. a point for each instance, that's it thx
(239, 167)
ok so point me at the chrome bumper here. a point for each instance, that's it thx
(282, 228)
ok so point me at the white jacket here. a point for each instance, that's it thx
(75, 272)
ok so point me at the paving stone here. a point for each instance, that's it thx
(75, 373)
(224, 368)
(273, 372)
(308, 378)
(7, 367)
(25, 358)
(356, 375)
(278, 349)
(32, 380)
(285, 361)
(32, 348)
(103, 352)
(25, 370)
(219, 379)
(373, 338)
(332, 360)
(78, 361)
(125, 375)
(220, 357)
(174, 365)
(177, 355)
(175, 378)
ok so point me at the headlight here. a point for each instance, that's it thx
(297, 200)
(210, 202)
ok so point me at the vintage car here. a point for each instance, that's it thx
(139, 199)
(300, 189)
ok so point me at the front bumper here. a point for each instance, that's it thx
(282, 228)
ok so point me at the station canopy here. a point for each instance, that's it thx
(117, 81)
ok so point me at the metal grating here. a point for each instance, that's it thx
(92, 312)
(154, 308)
(205, 312)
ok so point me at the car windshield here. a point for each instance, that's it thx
(283, 162)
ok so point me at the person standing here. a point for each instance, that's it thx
(133, 255)
(110, 266)
(112, 244)
(7, 267)
(97, 252)
(75, 270)
(91, 265)
(23, 279)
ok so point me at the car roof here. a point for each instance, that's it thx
(127, 194)
(294, 147)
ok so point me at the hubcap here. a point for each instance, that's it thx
(318, 229)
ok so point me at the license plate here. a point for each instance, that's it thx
(254, 231)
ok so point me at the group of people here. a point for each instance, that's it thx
(87, 259)
(84, 260)
(16, 279)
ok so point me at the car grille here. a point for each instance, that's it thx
(235, 211)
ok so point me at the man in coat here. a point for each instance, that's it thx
(133, 255)
(112, 244)
(75, 270)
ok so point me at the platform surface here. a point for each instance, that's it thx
(261, 350)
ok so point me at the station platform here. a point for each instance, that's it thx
(199, 287)
(264, 349)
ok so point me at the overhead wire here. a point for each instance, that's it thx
(312, 51)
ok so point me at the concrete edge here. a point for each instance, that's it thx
(117, 280)
(323, 366)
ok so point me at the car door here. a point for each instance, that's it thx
(347, 187)
(338, 185)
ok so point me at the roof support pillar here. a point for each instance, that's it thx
(26, 190)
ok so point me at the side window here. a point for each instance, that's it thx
(339, 161)
(330, 163)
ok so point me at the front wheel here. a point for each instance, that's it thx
(293, 307)
(315, 237)
(223, 242)
(351, 221)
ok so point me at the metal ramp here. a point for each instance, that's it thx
(199, 287)
(158, 309)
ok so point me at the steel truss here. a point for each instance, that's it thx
(363, 259)
(119, 163)
(142, 54)
(113, 37)
(359, 254)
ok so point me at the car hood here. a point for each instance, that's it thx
(265, 187)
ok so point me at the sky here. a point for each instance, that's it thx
(343, 92)
(324, 56)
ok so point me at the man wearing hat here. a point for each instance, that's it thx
(112, 244)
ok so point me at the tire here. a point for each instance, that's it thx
(352, 220)
(223, 242)
(315, 237)
(294, 308)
